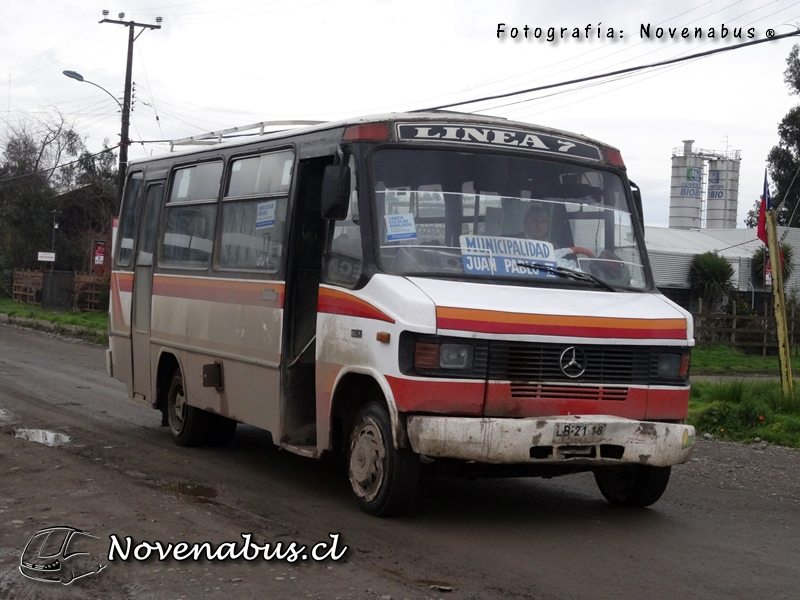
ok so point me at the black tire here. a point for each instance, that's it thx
(383, 479)
(221, 430)
(188, 425)
(632, 485)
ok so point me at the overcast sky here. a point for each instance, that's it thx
(216, 64)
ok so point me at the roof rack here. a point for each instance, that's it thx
(217, 137)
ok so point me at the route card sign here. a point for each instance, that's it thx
(400, 227)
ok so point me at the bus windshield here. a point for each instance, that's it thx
(473, 214)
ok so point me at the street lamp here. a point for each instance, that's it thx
(123, 135)
(78, 77)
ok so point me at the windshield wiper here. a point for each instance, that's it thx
(568, 273)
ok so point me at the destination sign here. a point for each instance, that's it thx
(498, 137)
(487, 255)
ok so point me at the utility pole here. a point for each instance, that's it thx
(124, 140)
(784, 353)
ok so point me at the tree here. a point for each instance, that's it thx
(87, 208)
(26, 201)
(759, 256)
(41, 165)
(710, 277)
(784, 159)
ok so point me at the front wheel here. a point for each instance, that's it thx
(383, 478)
(632, 485)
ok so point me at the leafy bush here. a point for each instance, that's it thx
(710, 277)
(788, 261)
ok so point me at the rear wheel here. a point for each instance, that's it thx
(632, 485)
(382, 477)
(188, 425)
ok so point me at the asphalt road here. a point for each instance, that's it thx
(727, 527)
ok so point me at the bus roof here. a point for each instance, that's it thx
(440, 126)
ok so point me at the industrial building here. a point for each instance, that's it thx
(704, 194)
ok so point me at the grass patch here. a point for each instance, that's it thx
(742, 411)
(725, 360)
(95, 321)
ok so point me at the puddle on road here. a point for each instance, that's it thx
(42, 436)
(193, 490)
(3, 415)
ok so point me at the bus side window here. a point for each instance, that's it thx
(191, 216)
(188, 236)
(254, 212)
(127, 221)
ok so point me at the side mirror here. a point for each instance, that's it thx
(335, 192)
(637, 200)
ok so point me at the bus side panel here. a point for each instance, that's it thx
(348, 344)
(119, 339)
(237, 323)
(348, 340)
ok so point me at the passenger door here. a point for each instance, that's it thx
(143, 290)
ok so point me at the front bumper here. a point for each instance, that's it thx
(579, 439)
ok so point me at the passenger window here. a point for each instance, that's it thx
(191, 214)
(127, 222)
(149, 231)
(189, 236)
(254, 212)
(198, 182)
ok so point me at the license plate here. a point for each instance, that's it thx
(571, 433)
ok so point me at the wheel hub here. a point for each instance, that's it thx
(367, 456)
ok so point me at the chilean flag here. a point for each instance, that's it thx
(766, 204)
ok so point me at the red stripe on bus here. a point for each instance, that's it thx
(443, 397)
(341, 303)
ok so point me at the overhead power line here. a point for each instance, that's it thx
(61, 166)
(614, 73)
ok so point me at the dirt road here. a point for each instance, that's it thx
(727, 527)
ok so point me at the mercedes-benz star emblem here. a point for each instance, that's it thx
(573, 362)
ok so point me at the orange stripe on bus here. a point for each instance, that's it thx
(490, 321)
(120, 282)
(220, 290)
(341, 303)
(124, 281)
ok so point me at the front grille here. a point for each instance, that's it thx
(542, 391)
(524, 363)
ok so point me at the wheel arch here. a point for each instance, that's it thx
(353, 389)
(167, 363)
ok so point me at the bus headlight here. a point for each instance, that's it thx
(440, 356)
(455, 356)
(672, 366)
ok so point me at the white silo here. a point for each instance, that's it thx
(722, 192)
(686, 188)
